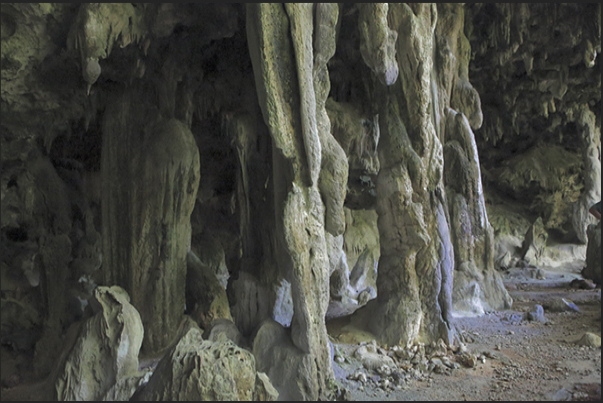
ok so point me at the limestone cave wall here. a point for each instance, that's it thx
(537, 70)
(174, 171)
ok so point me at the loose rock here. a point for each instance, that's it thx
(590, 340)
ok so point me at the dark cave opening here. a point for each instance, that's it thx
(19, 234)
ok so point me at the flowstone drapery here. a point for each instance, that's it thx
(150, 171)
(290, 79)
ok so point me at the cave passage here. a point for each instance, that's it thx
(254, 186)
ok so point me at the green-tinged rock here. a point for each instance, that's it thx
(202, 370)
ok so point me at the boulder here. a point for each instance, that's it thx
(197, 369)
(371, 359)
(561, 305)
(590, 340)
(536, 314)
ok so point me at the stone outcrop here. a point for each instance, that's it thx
(197, 369)
(103, 361)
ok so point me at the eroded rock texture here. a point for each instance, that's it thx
(410, 153)
(459, 114)
(262, 168)
(537, 69)
(146, 212)
(105, 353)
(289, 106)
(200, 370)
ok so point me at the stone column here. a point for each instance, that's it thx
(590, 136)
(150, 173)
(281, 48)
(457, 107)
(414, 274)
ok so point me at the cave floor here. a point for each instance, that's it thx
(522, 360)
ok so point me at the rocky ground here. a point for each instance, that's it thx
(524, 353)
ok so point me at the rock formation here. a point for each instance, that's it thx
(105, 353)
(146, 212)
(297, 154)
(536, 68)
(260, 169)
(197, 369)
(593, 254)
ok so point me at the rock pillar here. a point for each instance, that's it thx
(414, 273)
(288, 58)
(150, 171)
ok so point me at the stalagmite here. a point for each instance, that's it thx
(299, 210)
(150, 180)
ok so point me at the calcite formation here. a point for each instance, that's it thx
(259, 169)
(146, 212)
(105, 351)
(197, 369)
(537, 71)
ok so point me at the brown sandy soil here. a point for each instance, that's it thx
(522, 360)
